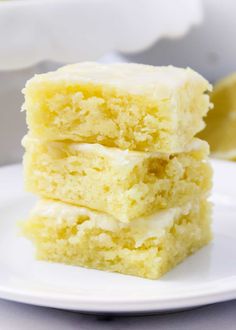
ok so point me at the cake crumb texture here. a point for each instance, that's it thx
(124, 184)
(81, 237)
(128, 106)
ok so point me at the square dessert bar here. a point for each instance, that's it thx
(128, 106)
(125, 184)
(146, 247)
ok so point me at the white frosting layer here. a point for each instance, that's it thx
(142, 228)
(195, 144)
(122, 157)
(157, 82)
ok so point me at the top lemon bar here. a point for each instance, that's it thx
(128, 106)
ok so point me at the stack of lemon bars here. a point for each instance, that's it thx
(122, 180)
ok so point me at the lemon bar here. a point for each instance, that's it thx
(220, 129)
(128, 106)
(147, 247)
(125, 184)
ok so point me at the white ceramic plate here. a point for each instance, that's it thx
(98, 26)
(207, 277)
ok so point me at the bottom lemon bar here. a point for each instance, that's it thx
(146, 247)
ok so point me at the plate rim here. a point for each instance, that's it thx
(117, 306)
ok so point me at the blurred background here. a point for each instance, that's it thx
(39, 36)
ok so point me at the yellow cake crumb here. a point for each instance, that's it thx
(124, 184)
(147, 247)
(128, 106)
(108, 144)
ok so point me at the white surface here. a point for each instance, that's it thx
(206, 277)
(208, 48)
(72, 31)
